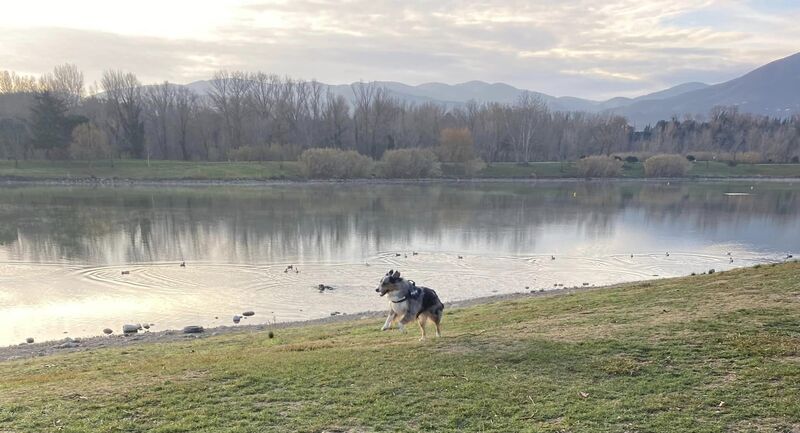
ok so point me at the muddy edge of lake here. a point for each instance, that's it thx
(68, 345)
(113, 182)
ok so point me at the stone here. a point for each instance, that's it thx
(237, 318)
(193, 329)
(248, 313)
(108, 331)
(29, 340)
(130, 329)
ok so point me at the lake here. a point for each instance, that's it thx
(63, 250)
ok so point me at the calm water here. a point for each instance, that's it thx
(63, 250)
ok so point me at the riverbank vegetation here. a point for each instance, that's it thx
(706, 353)
(242, 116)
(138, 170)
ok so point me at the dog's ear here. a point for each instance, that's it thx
(390, 272)
(396, 274)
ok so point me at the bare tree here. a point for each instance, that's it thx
(230, 93)
(66, 81)
(186, 107)
(123, 95)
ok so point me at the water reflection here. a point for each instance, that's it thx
(350, 222)
(63, 250)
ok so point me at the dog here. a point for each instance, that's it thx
(407, 302)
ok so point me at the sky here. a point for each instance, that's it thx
(586, 48)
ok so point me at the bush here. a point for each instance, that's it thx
(796, 159)
(703, 156)
(690, 158)
(666, 166)
(335, 164)
(750, 158)
(599, 166)
(631, 159)
(456, 145)
(410, 164)
(89, 143)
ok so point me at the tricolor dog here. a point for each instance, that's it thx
(407, 302)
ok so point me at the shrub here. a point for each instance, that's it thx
(631, 159)
(750, 158)
(703, 156)
(599, 166)
(335, 164)
(666, 166)
(410, 164)
(89, 143)
(690, 158)
(796, 159)
(456, 145)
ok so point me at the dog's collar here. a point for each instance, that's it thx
(399, 300)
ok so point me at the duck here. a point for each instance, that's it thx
(183, 264)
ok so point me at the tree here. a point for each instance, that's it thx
(456, 145)
(123, 94)
(89, 143)
(14, 139)
(66, 81)
(51, 127)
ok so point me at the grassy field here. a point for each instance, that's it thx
(711, 353)
(155, 170)
(290, 170)
(636, 170)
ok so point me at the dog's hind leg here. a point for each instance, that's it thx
(421, 319)
(389, 320)
(437, 320)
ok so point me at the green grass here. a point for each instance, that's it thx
(271, 170)
(636, 170)
(155, 170)
(716, 353)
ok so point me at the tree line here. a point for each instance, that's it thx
(260, 116)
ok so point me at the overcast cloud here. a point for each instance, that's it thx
(595, 49)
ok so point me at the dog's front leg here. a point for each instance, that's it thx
(389, 320)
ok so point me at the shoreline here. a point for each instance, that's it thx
(70, 345)
(118, 182)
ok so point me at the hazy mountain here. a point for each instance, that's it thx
(771, 90)
(458, 94)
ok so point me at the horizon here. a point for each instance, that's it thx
(624, 48)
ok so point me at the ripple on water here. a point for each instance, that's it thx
(171, 296)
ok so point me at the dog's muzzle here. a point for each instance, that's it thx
(378, 290)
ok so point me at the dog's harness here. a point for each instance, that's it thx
(414, 292)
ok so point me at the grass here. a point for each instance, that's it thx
(154, 170)
(711, 353)
(636, 170)
(273, 170)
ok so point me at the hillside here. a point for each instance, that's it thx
(710, 353)
(771, 90)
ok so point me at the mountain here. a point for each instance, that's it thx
(771, 90)
(453, 95)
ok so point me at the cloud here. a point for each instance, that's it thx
(573, 47)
